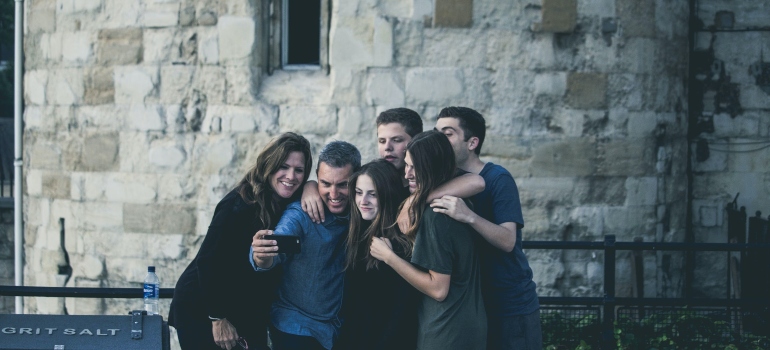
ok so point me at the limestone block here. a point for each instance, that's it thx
(158, 44)
(175, 188)
(100, 216)
(504, 49)
(637, 18)
(131, 188)
(78, 48)
(512, 88)
(640, 124)
(240, 119)
(43, 155)
(208, 46)
(396, 8)
(93, 185)
(383, 42)
(641, 191)
(351, 44)
(575, 157)
(175, 82)
(505, 146)
(318, 120)
(453, 13)
(629, 157)
(753, 97)
(439, 86)
(350, 120)
(121, 13)
(41, 16)
(120, 46)
(51, 46)
(407, 37)
(631, 91)
(100, 152)
(716, 162)
(242, 84)
(159, 218)
(239, 7)
(568, 122)
(146, 118)
(35, 86)
(452, 48)
(554, 84)
(211, 82)
(708, 212)
(74, 6)
(34, 182)
(102, 117)
(99, 86)
(599, 8)
(88, 266)
(236, 39)
(171, 246)
(421, 9)
(55, 185)
(559, 16)
(215, 155)
(601, 190)
(65, 86)
(545, 191)
(385, 88)
(167, 155)
(135, 84)
(726, 126)
(347, 85)
(587, 90)
(638, 55)
(160, 15)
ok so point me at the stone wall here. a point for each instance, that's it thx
(7, 303)
(141, 114)
(732, 66)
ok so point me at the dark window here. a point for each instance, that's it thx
(302, 28)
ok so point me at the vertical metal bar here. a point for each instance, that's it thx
(18, 104)
(689, 265)
(608, 322)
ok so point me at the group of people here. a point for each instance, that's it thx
(419, 249)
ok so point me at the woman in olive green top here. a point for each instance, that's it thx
(444, 265)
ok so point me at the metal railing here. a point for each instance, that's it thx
(608, 303)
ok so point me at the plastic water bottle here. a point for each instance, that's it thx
(151, 291)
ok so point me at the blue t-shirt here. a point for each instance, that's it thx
(310, 291)
(506, 277)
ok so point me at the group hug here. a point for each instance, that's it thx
(419, 249)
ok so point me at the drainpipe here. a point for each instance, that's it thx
(18, 98)
(689, 265)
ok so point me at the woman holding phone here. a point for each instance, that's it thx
(444, 265)
(379, 307)
(219, 302)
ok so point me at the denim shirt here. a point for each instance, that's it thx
(310, 292)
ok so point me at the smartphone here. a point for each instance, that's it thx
(286, 243)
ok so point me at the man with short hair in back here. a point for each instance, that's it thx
(305, 314)
(509, 292)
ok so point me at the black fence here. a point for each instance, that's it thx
(607, 322)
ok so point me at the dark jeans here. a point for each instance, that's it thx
(515, 332)
(286, 341)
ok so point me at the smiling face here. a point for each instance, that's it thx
(366, 197)
(391, 143)
(289, 176)
(333, 186)
(409, 173)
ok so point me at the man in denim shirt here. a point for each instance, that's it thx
(304, 316)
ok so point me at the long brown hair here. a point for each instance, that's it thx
(255, 186)
(433, 160)
(390, 193)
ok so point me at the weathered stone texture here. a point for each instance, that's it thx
(120, 46)
(453, 13)
(99, 86)
(559, 16)
(587, 90)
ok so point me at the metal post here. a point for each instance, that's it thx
(608, 324)
(18, 104)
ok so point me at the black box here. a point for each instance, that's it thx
(135, 331)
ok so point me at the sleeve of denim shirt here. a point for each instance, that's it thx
(292, 222)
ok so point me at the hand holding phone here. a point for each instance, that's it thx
(286, 243)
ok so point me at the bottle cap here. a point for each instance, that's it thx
(150, 268)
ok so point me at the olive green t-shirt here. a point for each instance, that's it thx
(446, 246)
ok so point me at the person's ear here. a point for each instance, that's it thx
(473, 142)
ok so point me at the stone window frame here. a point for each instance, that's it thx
(276, 37)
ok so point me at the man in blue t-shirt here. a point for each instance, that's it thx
(304, 315)
(509, 292)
